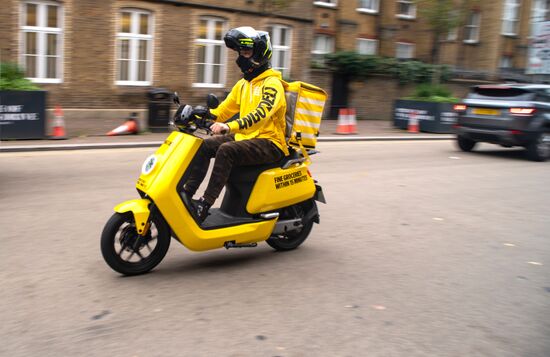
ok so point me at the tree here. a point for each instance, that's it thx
(442, 16)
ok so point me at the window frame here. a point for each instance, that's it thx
(326, 3)
(209, 53)
(515, 5)
(274, 37)
(315, 52)
(471, 25)
(535, 10)
(412, 47)
(133, 50)
(367, 40)
(41, 40)
(366, 10)
(411, 15)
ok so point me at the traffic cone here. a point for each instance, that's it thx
(129, 127)
(352, 121)
(346, 122)
(413, 122)
(58, 131)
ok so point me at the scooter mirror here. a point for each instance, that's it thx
(212, 101)
(176, 98)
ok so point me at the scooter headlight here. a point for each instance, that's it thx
(149, 164)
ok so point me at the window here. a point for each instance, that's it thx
(281, 37)
(404, 50)
(323, 45)
(367, 46)
(41, 40)
(134, 47)
(539, 11)
(406, 9)
(452, 35)
(471, 30)
(368, 6)
(210, 50)
(505, 61)
(326, 3)
(511, 17)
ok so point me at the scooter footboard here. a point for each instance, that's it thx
(139, 208)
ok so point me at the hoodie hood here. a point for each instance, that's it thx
(267, 73)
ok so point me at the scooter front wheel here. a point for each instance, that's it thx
(128, 253)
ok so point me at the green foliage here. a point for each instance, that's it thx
(433, 93)
(12, 77)
(442, 15)
(351, 63)
(359, 67)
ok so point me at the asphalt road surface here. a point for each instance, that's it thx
(422, 251)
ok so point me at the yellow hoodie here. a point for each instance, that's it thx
(262, 106)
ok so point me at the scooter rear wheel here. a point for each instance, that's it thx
(293, 239)
(128, 253)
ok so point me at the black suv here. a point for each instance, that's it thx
(507, 114)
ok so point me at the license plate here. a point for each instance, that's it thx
(485, 111)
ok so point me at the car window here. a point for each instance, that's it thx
(504, 93)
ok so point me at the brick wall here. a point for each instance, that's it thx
(89, 67)
(8, 39)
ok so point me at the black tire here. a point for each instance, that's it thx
(539, 149)
(120, 231)
(465, 144)
(291, 240)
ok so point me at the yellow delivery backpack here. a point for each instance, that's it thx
(304, 110)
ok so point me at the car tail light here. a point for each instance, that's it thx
(459, 107)
(522, 111)
(515, 132)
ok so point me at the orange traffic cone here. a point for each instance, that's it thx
(352, 121)
(413, 122)
(129, 127)
(346, 121)
(58, 131)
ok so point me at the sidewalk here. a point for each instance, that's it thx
(367, 130)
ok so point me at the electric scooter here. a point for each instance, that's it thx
(275, 203)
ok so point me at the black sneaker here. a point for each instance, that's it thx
(201, 209)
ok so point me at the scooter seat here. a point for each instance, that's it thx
(240, 183)
(251, 173)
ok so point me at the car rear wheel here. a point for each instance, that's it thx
(465, 144)
(539, 149)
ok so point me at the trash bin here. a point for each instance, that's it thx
(160, 103)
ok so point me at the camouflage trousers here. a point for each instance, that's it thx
(228, 153)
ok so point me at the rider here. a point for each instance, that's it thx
(258, 135)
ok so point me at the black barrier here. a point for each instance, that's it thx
(160, 103)
(22, 115)
(432, 117)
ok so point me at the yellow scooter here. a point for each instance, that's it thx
(273, 203)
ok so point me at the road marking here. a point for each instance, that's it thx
(509, 244)
(378, 307)
(534, 263)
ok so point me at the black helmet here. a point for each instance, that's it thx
(246, 37)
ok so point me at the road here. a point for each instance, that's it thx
(422, 251)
